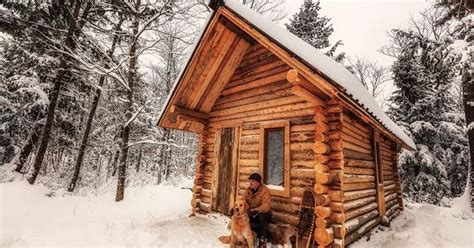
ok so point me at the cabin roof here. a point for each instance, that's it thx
(346, 83)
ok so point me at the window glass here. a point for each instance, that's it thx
(274, 156)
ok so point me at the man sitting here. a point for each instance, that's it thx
(258, 197)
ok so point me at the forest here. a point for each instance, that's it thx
(83, 83)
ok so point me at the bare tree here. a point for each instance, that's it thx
(69, 43)
(370, 74)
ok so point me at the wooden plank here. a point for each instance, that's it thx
(254, 99)
(257, 106)
(254, 73)
(308, 96)
(259, 113)
(253, 84)
(265, 89)
(232, 59)
(189, 84)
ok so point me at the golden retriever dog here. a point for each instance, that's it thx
(240, 232)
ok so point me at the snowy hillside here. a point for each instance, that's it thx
(157, 216)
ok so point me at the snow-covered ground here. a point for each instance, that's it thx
(157, 216)
(154, 216)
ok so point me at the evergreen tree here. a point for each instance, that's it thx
(423, 74)
(314, 28)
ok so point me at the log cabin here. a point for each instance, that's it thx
(263, 100)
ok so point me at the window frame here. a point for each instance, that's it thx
(286, 157)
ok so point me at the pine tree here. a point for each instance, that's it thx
(423, 74)
(314, 28)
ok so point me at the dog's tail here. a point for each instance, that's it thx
(224, 239)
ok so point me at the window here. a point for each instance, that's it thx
(275, 157)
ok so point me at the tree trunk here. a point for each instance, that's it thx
(54, 95)
(468, 102)
(114, 163)
(128, 114)
(139, 160)
(27, 148)
(90, 118)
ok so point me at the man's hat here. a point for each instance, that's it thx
(256, 177)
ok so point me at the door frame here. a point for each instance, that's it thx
(379, 187)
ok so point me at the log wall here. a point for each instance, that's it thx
(330, 150)
(257, 93)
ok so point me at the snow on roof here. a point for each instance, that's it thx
(330, 68)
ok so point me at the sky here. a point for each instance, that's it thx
(362, 25)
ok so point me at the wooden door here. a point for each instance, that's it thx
(224, 185)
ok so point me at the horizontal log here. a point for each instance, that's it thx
(302, 137)
(340, 230)
(358, 163)
(336, 164)
(188, 112)
(321, 168)
(334, 135)
(291, 111)
(338, 243)
(303, 164)
(351, 154)
(353, 131)
(334, 125)
(357, 148)
(324, 236)
(323, 178)
(285, 92)
(285, 218)
(361, 231)
(261, 112)
(356, 141)
(340, 196)
(341, 217)
(293, 200)
(206, 192)
(336, 155)
(322, 200)
(253, 84)
(302, 128)
(301, 146)
(256, 106)
(284, 207)
(302, 182)
(320, 188)
(349, 205)
(356, 123)
(249, 162)
(304, 155)
(319, 117)
(273, 65)
(323, 212)
(321, 158)
(302, 173)
(297, 191)
(307, 95)
(321, 127)
(248, 170)
(322, 223)
(334, 108)
(359, 171)
(350, 178)
(320, 148)
(336, 145)
(355, 223)
(205, 207)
